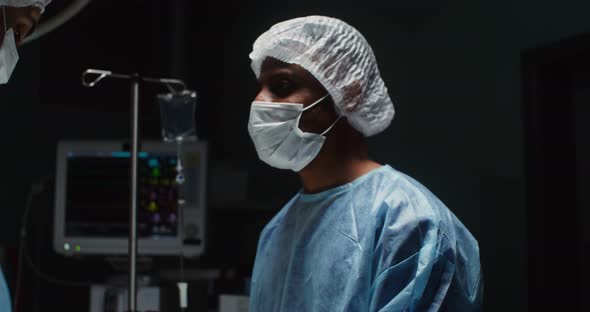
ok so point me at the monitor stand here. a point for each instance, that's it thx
(112, 295)
(121, 264)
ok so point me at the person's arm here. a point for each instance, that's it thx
(423, 263)
(408, 266)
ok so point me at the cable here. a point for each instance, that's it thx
(50, 279)
(182, 285)
(37, 187)
(19, 273)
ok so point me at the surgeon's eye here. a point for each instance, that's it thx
(282, 87)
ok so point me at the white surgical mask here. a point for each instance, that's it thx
(274, 129)
(8, 54)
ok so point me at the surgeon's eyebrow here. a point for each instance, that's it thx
(274, 72)
(282, 71)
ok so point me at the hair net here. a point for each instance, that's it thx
(24, 3)
(340, 58)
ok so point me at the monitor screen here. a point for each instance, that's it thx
(98, 198)
(93, 188)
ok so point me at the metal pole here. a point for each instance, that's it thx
(132, 293)
(100, 74)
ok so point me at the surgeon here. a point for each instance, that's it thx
(359, 235)
(17, 21)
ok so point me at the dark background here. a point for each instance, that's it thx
(453, 69)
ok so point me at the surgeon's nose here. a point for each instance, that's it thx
(25, 23)
(263, 96)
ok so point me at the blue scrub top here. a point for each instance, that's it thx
(380, 243)
(4, 295)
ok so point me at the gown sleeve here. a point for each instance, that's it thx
(4, 295)
(412, 260)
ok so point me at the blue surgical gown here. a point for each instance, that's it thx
(380, 243)
(4, 295)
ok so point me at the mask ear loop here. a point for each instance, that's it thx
(332, 125)
(315, 103)
(4, 19)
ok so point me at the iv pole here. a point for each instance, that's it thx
(135, 79)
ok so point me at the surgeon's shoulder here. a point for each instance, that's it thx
(406, 220)
(398, 191)
(409, 207)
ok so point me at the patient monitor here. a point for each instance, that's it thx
(92, 199)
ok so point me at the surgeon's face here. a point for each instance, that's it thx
(21, 20)
(290, 83)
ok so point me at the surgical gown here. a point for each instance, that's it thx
(380, 243)
(4, 295)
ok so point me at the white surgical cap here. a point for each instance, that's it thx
(340, 58)
(41, 4)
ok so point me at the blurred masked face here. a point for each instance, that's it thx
(288, 123)
(21, 20)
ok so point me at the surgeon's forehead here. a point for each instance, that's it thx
(271, 67)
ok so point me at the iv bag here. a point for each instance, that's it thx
(177, 112)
